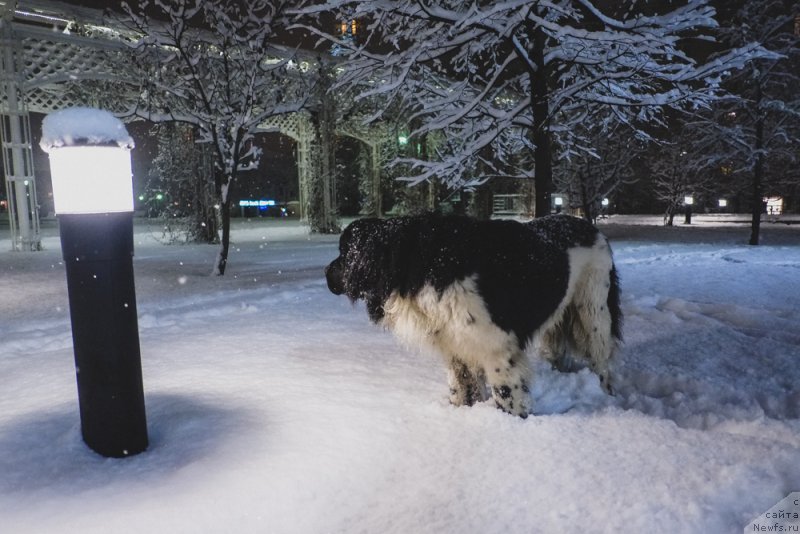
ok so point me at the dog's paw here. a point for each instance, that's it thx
(514, 400)
(605, 384)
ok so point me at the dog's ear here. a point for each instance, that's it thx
(379, 257)
(367, 254)
(405, 267)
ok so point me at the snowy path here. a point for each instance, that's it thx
(274, 406)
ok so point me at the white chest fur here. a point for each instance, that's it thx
(455, 323)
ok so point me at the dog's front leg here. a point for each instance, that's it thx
(509, 376)
(466, 385)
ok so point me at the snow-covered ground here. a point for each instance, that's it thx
(274, 406)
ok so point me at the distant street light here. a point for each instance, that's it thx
(90, 165)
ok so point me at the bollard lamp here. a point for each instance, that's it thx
(91, 179)
(688, 200)
(90, 166)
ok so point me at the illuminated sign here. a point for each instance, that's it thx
(260, 204)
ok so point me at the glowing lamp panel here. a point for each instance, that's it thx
(91, 179)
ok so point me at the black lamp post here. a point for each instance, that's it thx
(93, 197)
(688, 201)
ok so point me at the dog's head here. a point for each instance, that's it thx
(364, 268)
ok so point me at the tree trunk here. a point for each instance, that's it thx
(758, 175)
(543, 167)
(586, 202)
(322, 217)
(375, 171)
(669, 217)
(205, 217)
(480, 201)
(225, 222)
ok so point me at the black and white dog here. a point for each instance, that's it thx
(479, 291)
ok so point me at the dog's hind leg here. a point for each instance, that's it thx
(466, 384)
(592, 331)
(553, 344)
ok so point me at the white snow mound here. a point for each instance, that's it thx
(83, 126)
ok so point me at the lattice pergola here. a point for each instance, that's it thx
(299, 128)
(54, 55)
(374, 137)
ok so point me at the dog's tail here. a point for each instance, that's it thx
(613, 304)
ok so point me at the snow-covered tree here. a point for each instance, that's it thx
(170, 179)
(589, 174)
(178, 187)
(500, 77)
(680, 167)
(214, 65)
(756, 127)
(671, 179)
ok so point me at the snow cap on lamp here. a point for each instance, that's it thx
(90, 161)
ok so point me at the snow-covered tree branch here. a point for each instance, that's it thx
(486, 73)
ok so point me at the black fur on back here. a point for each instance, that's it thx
(522, 270)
